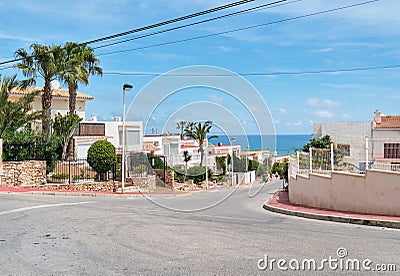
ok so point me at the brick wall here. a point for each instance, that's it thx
(24, 173)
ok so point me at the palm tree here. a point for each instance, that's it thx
(181, 125)
(79, 63)
(199, 134)
(186, 158)
(44, 62)
(63, 129)
(14, 115)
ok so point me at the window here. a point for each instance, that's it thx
(345, 149)
(132, 137)
(391, 150)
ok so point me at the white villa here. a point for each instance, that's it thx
(378, 139)
(60, 100)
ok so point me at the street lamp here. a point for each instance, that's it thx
(247, 158)
(125, 87)
(206, 163)
(233, 139)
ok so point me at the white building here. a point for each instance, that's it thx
(59, 102)
(385, 142)
(378, 139)
(89, 132)
(350, 136)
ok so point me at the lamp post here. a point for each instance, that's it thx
(125, 87)
(233, 139)
(247, 158)
(206, 163)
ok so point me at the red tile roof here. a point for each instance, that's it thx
(389, 122)
(57, 92)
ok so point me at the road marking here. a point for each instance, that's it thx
(41, 206)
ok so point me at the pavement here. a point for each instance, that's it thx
(279, 203)
(159, 192)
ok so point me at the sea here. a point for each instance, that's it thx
(281, 143)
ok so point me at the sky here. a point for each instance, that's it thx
(362, 36)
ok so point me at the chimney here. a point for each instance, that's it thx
(377, 117)
(117, 119)
(93, 118)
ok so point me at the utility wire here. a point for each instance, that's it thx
(253, 9)
(230, 5)
(344, 70)
(236, 30)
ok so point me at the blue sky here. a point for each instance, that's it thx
(358, 37)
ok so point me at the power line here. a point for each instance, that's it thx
(236, 30)
(230, 5)
(323, 71)
(253, 9)
(223, 7)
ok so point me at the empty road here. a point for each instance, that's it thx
(208, 232)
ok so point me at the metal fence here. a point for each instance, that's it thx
(77, 171)
(321, 161)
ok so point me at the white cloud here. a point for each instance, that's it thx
(282, 110)
(313, 101)
(325, 50)
(323, 113)
(322, 103)
(330, 104)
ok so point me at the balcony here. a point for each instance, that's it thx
(90, 129)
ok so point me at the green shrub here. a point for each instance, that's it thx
(60, 176)
(101, 157)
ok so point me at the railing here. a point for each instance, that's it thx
(76, 171)
(90, 129)
(386, 166)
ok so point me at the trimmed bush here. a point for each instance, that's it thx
(101, 157)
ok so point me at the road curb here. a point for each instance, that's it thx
(352, 220)
(83, 194)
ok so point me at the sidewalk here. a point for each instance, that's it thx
(39, 191)
(279, 203)
(159, 192)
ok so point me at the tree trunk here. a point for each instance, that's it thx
(184, 177)
(72, 88)
(72, 97)
(201, 155)
(46, 106)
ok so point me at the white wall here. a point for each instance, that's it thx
(348, 133)
(113, 130)
(376, 192)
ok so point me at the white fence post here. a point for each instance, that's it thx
(366, 153)
(310, 160)
(298, 161)
(332, 158)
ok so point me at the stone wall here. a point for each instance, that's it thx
(144, 184)
(24, 173)
(169, 175)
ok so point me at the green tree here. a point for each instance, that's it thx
(181, 125)
(186, 158)
(79, 62)
(43, 62)
(17, 114)
(199, 134)
(101, 157)
(323, 142)
(63, 129)
(221, 163)
(282, 168)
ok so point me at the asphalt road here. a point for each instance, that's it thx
(197, 234)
